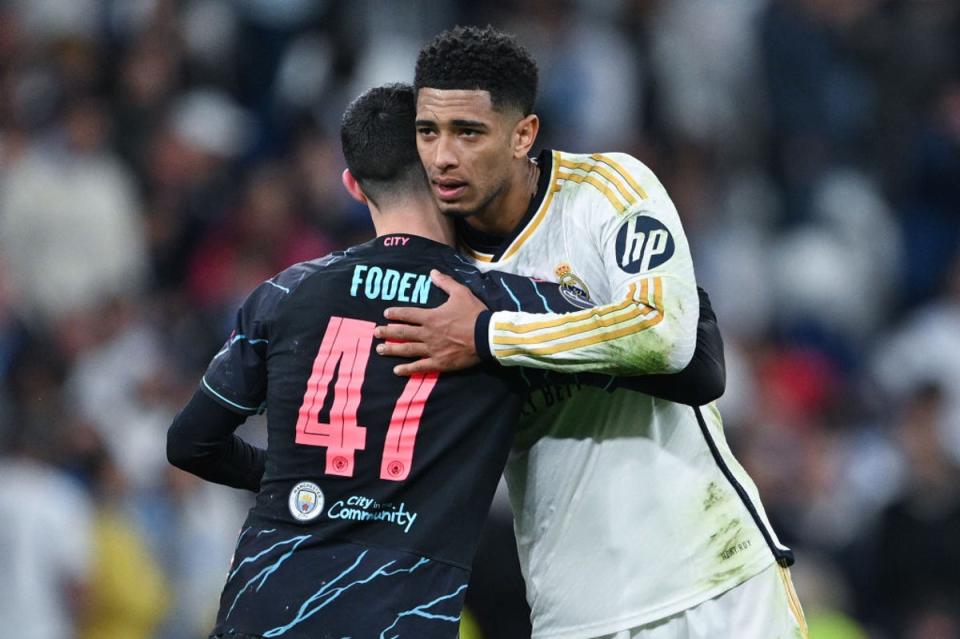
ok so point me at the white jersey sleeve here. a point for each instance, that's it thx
(649, 323)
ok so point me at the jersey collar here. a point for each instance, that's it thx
(484, 247)
(409, 242)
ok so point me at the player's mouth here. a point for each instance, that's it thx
(449, 190)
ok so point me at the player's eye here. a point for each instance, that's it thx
(425, 132)
(469, 133)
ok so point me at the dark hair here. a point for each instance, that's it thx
(480, 59)
(379, 141)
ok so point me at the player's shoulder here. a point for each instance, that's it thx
(294, 276)
(272, 292)
(610, 183)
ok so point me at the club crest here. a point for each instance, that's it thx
(573, 289)
(306, 501)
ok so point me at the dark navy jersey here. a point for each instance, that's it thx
(354, 451)
(376, 486)
(293, 584)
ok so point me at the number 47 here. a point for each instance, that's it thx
(347, 342)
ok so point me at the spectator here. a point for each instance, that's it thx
(46, 545)
(71, 229)
(127, 592)
(916, 558)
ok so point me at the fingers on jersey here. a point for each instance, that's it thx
(403, 349)
(396, 334)
(408, 314)
(425, 365)
(444, 334)
(447, 283)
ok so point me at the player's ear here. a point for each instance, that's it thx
(353, 187)
(524, 135)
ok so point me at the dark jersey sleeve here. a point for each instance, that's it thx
(237, 376)
(201, 441)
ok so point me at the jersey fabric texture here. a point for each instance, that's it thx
(763, 607)
(297, 583)
(628, 509)
(375, 486)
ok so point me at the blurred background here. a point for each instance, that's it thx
(159, 158)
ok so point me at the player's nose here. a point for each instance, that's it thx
(444, 153)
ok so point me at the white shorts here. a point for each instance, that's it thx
(763, 607)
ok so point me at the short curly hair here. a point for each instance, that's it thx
(378, 139)
(484, 59)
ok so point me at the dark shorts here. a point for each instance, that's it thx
(291, 584)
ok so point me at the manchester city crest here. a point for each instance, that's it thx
(573, 289)
(306, 501)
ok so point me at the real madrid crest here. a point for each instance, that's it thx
(573, 289)
(305, 501)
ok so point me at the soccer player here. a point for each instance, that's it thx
(633, 518)
(373, 489)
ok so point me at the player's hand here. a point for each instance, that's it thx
(441, 337)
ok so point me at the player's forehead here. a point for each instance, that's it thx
(447, 105)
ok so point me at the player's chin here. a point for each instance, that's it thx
(456, 209)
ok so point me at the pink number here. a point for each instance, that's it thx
(402, 434)
(347, 342)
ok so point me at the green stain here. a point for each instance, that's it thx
(714, 496)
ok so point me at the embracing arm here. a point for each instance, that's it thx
(201, 441)
(703, 380)
(647, 326)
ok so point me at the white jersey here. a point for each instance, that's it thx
(627, 508)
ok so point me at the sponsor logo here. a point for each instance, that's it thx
(305, 501)
(573, 289)
(643, 243)
(360, 508)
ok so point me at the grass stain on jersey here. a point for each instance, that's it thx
(648, 352)
(733, 524)
(724, 576)
(731, 541)
(714, 497)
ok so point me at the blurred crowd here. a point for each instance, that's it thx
(159, 158)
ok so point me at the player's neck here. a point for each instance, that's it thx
(415, 217)
(505, 212)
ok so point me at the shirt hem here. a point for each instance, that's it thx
(598, 629)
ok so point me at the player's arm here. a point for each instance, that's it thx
(703, 380)
(201, 441)
(649, 327)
